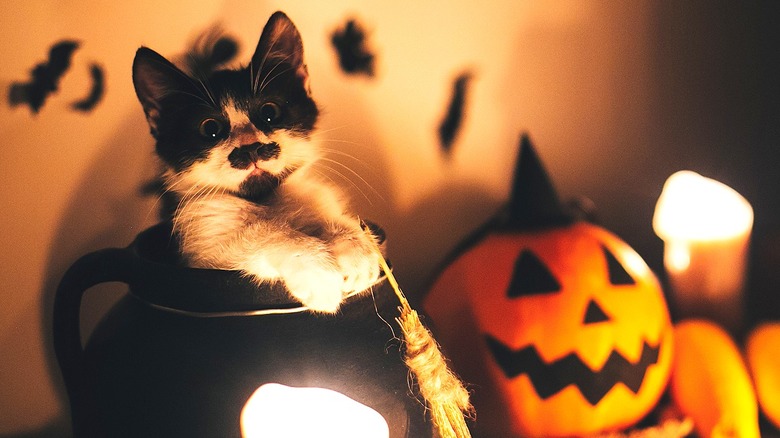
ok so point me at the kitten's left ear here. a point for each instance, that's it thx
(280, 47)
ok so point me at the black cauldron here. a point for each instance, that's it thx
(181, 353)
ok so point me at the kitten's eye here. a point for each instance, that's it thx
(270, 113)
(210, 128)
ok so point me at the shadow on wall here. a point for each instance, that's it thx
(433, 228)
(418, 237)
(106, 210)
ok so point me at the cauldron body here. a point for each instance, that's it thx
(182, 353)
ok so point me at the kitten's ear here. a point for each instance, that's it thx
(279, 44)
(154, 78)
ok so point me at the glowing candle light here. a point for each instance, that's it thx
(705, 226)
(276, 410)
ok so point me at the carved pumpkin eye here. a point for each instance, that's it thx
(531, 277)
(618, 276)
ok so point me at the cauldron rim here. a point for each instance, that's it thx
(161, 279)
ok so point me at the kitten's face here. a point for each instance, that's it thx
(241, 131)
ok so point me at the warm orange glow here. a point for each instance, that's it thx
(692, 207)
(470, 299)
(276, 410)
(677, 257)
(711, 383)
(764, 363)
(706, 227)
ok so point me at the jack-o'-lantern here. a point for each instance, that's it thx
(559, 325)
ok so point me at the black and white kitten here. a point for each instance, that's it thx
(238, 150)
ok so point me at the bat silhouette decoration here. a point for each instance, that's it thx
(350, 44)
(453, 119)
(45, 77)
(95, 93)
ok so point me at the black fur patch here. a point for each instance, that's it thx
(350, 44)
(45, 77)
(258, 187)
(210, 51)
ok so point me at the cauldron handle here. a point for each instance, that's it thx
(106, 265)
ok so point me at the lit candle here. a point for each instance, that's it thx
(276, 410)
(705, 226)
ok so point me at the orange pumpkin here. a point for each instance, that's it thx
(761, 351)
(563, 330)
(710, 381)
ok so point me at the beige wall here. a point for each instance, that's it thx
(600, 86)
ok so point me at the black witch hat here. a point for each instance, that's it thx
(533, 202)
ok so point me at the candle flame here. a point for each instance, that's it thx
(677, 258)
(692, 207)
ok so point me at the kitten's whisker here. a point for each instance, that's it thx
(325, 176)
(153, 206)
(364, 166)
(322, 131)
(188, 196)
(177, 217)
(355, 174)
(216, 192)
(317, 137)
(267, 81)
(195, 197)
(200, 98)
(343, 177)
(262, 62)
(251, 77)
(348, 169)
(335, 140)
(263, 84)
(347, 155)
(166, 189)
(202, 78)
(186, 77)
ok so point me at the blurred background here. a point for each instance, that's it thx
(616, 96)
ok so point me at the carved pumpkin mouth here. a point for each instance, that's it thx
(550, 378)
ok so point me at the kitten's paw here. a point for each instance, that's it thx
(358, 262)
(316, 285)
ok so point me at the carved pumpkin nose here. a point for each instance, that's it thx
(594, 314)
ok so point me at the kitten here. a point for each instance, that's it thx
(238, 150)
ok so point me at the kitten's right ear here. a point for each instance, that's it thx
(280, 43)
(154, 78)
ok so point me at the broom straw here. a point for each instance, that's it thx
(441, 389)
